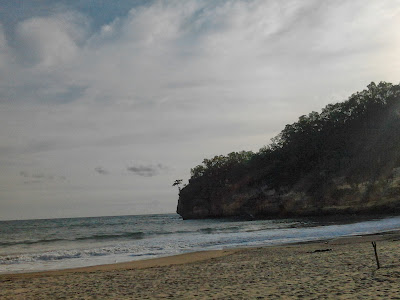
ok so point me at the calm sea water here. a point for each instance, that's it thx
(33, 245)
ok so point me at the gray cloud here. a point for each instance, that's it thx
(101, 170)
(147, 170)
(39, 177)
(24, 174)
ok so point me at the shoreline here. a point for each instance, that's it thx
(343, 267)
(178, 259)
(191, 257)
(95, 252)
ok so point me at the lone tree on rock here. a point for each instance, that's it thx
(177, 183)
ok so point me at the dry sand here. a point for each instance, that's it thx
(346, 271)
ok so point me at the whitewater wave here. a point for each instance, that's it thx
(99, 237)
(125, 235)
(62, 255)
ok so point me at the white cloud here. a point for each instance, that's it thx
(53, 40)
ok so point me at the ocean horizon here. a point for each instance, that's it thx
(51, 244)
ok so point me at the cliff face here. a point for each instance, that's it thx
(344, 160)
(341, 197)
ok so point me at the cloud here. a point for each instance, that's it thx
(51, 40)
(147, 170)
(4, 48)
(166, 53)
(101, 170)
(39, 177)
(24, 174)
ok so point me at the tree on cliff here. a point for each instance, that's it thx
(220, 164)
(177, 183)
(340, 140)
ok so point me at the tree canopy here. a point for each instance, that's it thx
(320, 144)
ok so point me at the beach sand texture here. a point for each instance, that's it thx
(347, 271)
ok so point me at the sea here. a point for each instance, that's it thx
(51, 244)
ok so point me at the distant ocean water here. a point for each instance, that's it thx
(35, 245)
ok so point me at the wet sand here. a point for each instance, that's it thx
(343, 268)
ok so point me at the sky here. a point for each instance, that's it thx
(103, 104)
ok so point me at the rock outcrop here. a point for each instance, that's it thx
(381, 196)
(343, 160)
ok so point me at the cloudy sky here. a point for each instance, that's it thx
(103, 104)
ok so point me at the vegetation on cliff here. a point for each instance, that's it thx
(346, 144)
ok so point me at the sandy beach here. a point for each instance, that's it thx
(343, 268)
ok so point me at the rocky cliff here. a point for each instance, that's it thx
(345, 159)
